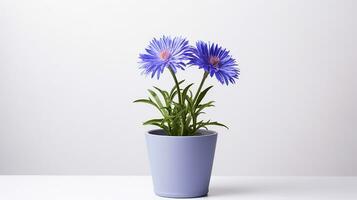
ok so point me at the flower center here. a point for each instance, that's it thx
(164, 55)
(214, 60)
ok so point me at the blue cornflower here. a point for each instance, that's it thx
(216, 61)
(165, 52)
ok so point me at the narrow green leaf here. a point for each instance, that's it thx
(162, 92)
(198, 113)
(141, 101)
(148, 101)
(172, 96)
(156, 98)
(153, 121)
(184, 92)
(205, 105)
(188, 120)
(201, 95)
(166, 98)
(174, 88)
(215, 124)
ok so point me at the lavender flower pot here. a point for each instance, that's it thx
(181, 165)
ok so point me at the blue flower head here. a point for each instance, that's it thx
(164, 52)
(216, 61)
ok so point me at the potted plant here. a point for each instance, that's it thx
(181, 151)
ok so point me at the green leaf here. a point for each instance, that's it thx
(151, 102)
(172, 96)
(141, 101)
(156, 98)
(148, 101)
(184, 92)
(198, 113)
(174, 87)
(153, 121)
(205, 105)
(202, 94)
(164, 94)
(168, 108)
(190, 101)
(215, 124)
(188, 120)
(167, 99)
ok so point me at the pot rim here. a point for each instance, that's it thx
(206, 133)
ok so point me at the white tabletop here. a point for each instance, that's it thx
(37, 187)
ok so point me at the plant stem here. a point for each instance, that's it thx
(182, 120)
(177, 85)
(194, 118)
(205, 74)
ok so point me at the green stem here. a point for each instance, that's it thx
(194, 118)
(179, 98)
(177, 85)
(200, 87)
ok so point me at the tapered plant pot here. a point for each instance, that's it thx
(181, 165)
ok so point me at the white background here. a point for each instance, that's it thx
(69, 74)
